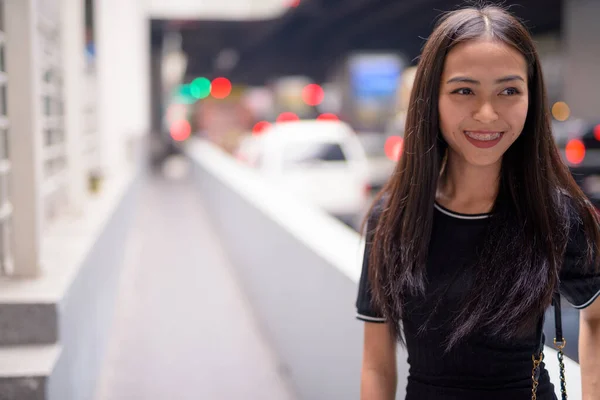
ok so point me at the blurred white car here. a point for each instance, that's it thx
(248, 150)
(320, 161)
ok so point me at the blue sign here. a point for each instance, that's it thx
(375, 77)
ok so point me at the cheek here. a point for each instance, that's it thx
(517, 115)
(450, 117)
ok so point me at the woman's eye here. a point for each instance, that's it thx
(463, 91)
(510, 91)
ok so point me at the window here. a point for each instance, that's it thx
(305, 153)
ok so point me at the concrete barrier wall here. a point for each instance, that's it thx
(298, 267)
(87, 306)
(300, 270)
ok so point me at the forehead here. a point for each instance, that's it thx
(484, 60)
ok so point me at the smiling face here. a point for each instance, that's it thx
(483, 101)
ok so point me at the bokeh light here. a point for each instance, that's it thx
(393, 147)
(200, 88)
(328, 117)
(294, 3)
(313, 94)
(183, 90)
(597, 132)
(575, 151)
(220, 88)
(260, 127)
(561, 111)
(287, 117)
(180, 130)
(183, 95)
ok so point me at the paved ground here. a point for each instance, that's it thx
(183, 328)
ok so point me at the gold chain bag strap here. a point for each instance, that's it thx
(559, 343)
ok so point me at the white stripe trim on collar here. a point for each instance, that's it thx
(367, 318)
(589, 302)
(460, 216)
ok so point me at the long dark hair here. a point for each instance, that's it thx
(516, 272)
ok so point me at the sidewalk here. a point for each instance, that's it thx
(183, 329)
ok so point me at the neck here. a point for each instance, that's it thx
(466, 188)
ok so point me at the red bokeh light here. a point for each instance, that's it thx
(180, 130)
(313, 94)
(575, 151)
(328, 117)
(260, 127)
(294, 3)
(597, 132)
(220, 88)
(287, 117)
(393, 147)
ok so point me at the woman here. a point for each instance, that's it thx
(479, 226)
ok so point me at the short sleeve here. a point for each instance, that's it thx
(365, 309)
(579, 280)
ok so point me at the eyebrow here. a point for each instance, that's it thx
(466, 79)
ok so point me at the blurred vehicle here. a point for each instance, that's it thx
(380, 166)
(320, 161)
(248, 150)
(579, 144)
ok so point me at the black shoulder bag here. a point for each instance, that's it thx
(559, 343)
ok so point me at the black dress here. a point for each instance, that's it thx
(480, 367)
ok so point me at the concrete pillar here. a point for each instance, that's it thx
(73, 57)
(26, 138)
(581, 33)
(123, 72)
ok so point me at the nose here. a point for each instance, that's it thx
(486, 113)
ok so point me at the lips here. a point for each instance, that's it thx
(484, 139)
(483, 136)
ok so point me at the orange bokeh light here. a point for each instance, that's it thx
(575, 151)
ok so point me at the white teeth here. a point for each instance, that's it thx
(484, 137)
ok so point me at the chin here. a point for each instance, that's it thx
(483, 161)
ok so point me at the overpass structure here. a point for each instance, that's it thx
(315, 36)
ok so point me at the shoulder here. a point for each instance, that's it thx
(580, 249)
(575, 212)
(579, 276)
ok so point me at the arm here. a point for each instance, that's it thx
(379, 377)
(589, 351)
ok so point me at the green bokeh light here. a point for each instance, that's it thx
(200, 88)
(182, 94)
(183, 91)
